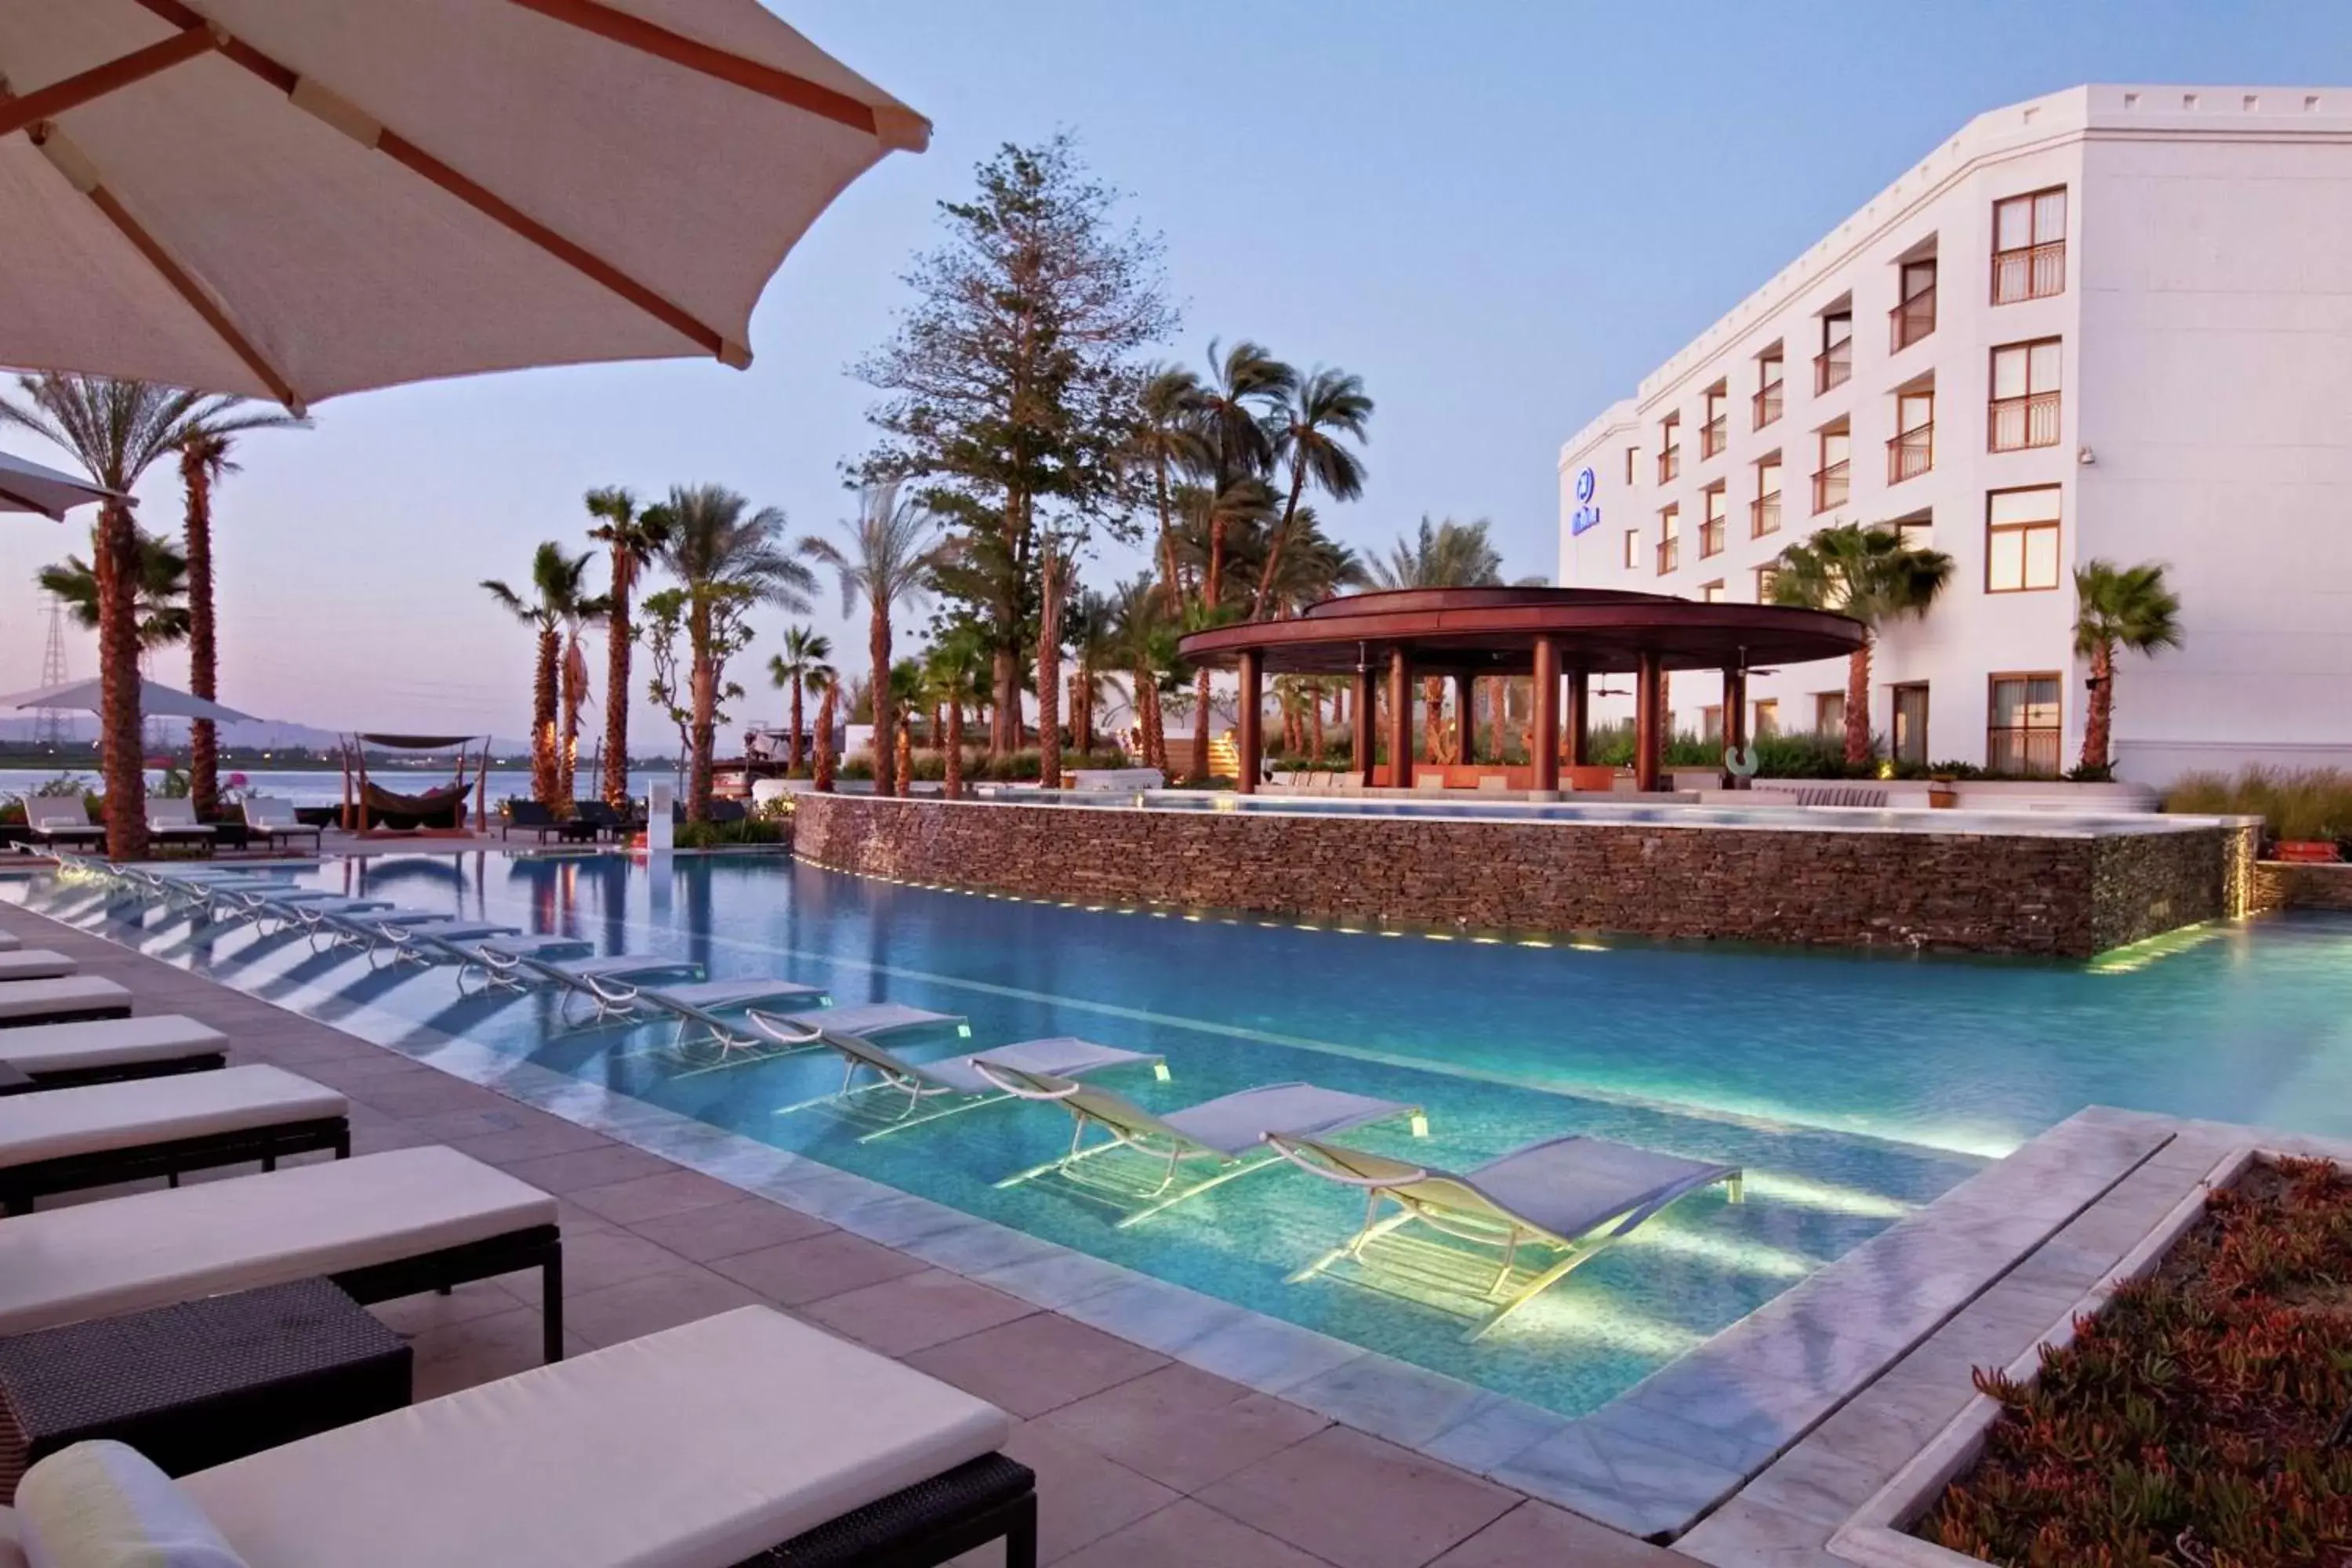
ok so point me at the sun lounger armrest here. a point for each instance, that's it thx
(783, 1031)
(1309, 1156)
(1024, 1087)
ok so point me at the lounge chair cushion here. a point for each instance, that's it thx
(105, 1505)
(35, 963)
(8, 943)
(50, 998)
(1572, 1185)
(1233, 1124)
(154, 1248)
(1064, 1056)
(695, 1448)
(870, 1018)
(104, 1116)
(107, 1043)
(732, 995)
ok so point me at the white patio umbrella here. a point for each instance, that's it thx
(155, 700)
(297, 200)
(28, 487)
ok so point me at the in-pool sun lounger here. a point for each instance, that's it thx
(702, 1009)
(110, 1050)
(35, 963)
(71, 1139)
(62, 1001)
(1228, 1135)
(901, 1093)
(380, 1226)
(1566, 1198)
(742, 1439)
(425, 942)
(606, 985)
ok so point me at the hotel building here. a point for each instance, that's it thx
(2113, 323)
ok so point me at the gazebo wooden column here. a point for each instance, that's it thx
(1735, 718)
(1400, 720)
(1466, 686)
(1546, 746)
(1577, 720)
(1249, 736)
(1649, 676)
(1360, 698)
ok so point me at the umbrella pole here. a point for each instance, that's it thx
(482, 793)
(361, 747)
(343, 756)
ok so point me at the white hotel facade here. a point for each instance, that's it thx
(2113, 322)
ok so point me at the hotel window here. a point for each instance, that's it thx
(1834, 364)
(2024, 411)
(1766, 401)
(1764, 512)
(1710, 529)
(1670, 451)
(1711, 593)
(1833, 481)
(1632, 472)
(2022, 540)
(1716, 432)
(1911, 722)
(1912, 452)
(1914, 318)
(1768, 717)
(1916, 531)
(1710, 723)
(1767, 578)
(1829, 712)
(2028, 247)
(1632, 547)
(2021, 736)
(1670, 544)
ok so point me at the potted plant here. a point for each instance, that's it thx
(2304, 828)
(1943, 791)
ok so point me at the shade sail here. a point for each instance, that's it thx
(419, 742)
(292, 201)
(28, 487)
(155, 700)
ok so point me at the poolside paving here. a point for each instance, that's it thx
(1143, 1459)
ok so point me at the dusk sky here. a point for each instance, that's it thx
(1500, 216)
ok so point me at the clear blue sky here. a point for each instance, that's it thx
(1499, 215)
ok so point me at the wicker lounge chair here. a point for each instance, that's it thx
(71, 1139)
(1568, 1197)
(744, 1438)
(380, 1226)
(902, 1093)
(110, 1051)
(1229, 1134)
(528, 816)
(62, 1001)
(35, 963)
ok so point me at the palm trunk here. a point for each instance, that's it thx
(1004, 706)
(1049, 671)
(1432, 718)
(617, 639)
(204, 659)
(952, 763)
(877, 649)
(1082, 709)
(822, 743)
(2098, 720)
(1315, 707)
(117, 570)
(1170, 584)
(575, 693)
(1281, 537)
(904, 778)
(543, 776)
(1200, 760)
(1857, 704)
(792, 742)
(706, 716)
(1496, 690)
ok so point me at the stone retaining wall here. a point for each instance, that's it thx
(2055, 895)
(2286, 885)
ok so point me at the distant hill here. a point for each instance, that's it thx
(21, 729)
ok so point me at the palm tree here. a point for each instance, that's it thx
(1446, 555)
(895, 548)
(1872, 575)
(1314, 416)
(204, 463)
(1145, 637)
(579, 614)
(826, 681)
(1094, 639)
(635, 537)
(162, 597)
(2126, 607)
(805, 649)
(1167, 438)
(727, 564)
(117, 430)
(556, 583)
(956, 677)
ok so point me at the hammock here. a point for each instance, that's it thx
(438, 810)
(444, 807)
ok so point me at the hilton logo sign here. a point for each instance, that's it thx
(1587, 516)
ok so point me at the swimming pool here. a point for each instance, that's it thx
(1853, 1088)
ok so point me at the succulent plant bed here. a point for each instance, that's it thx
(2202, 1419)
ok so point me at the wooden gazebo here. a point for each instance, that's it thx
(1559, 636)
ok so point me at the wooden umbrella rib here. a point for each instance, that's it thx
(649, 38)
(187, 288)
(88, 87)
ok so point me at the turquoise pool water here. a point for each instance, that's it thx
(1852, 1088)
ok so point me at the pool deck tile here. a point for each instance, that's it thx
(1037, 1363)
(915, 1311)
(1359, 1502)
(1185, 1428)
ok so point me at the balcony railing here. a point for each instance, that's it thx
(1670, 555)
(1911, 454)
(2030, 753)
(1913, 319)
(1670, 464)
(1833, 365)
(2019, 422)
(1831, 486)
(1766, 405)
(1764, 515)
(2029, 272)
(1710, 538)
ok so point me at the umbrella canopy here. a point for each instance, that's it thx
(28, 487)
(155, 699)
(294, 201)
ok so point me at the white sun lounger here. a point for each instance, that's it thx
(702, 1010)
(951, 1084)
(173, 821)
(8, 943)
(607, 983)
(1574, 1196)
(62, 1001)
(380, 1226)
(62, 822)
(426, 941)
(100, 1134)
(870, 1019)
(274, 819)
(1230, 1133)
(35, 963)
(718, 1442)
(107, 1050)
